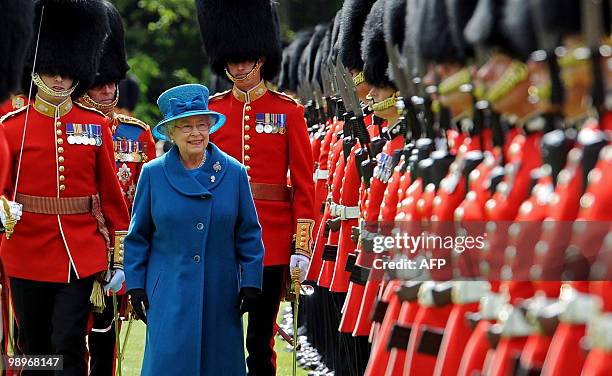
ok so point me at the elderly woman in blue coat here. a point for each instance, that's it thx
(193, 254)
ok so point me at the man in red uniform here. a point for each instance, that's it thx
(133, 146)
(61, 172)
(266, 131)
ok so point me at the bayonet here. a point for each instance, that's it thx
(401, 80)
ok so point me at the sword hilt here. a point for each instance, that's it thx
(9, 226)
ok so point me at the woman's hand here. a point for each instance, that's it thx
(140, 303)
(248, 299)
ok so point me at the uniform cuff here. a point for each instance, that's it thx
(119, 246)
(303, 237)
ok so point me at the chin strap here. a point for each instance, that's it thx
(384, 104)
(106, 109)
(47, 90)
(249, 76)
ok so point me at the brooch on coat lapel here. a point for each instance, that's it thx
(216, 168)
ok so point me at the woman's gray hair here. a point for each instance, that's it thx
(168, 127)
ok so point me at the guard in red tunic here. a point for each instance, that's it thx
(133, 146)
(265, 131)
(61, 172)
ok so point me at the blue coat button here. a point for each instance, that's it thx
(200, 226)
(196, 258)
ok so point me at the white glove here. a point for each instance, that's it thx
(116, 281)
(15, 210)
(302, 262)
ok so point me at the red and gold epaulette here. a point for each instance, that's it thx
(284, 96)
(82, 106)
(12, 114)
(219, 95)
(133, 121)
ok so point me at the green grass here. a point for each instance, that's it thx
(135, 349)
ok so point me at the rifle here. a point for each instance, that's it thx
(366, 160)
(401, 77)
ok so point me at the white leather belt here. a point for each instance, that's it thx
(578, 308)
(334, 209)
(540, 305)
(490, 305)
(320, 175)
(426, 292)
(513, 322)
(465, 292)
(599, 332)
(344, 212)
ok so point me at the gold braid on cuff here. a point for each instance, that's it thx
(303, 237)
(117, 259)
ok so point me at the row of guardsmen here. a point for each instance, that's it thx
(75, 188)
(487, 114)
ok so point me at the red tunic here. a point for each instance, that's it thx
(269, 157)
(44, 247)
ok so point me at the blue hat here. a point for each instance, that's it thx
(184, 101)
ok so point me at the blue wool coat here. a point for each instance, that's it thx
(192, 244)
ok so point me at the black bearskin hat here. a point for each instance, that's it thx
(113, 62)
(301, 42)
(414, 12)
(240, 30)
(485, 27)
(335, 37)
(129, 92)
(15, 32)
(518, 27)
(435, 41)
(354, 14)
(72, 36)
(283, 76)
(322, 54)
(394, 23)
(306, 67)
(373, 50)
(288, 79)
(459, 13)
